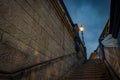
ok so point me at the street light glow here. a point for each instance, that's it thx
(81, 28)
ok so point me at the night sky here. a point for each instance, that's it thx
(93, 14)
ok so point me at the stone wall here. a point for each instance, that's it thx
(31, 32)
(112, 57)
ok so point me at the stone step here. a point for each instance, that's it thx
(92, 70)
(89, 74)
(86, 79)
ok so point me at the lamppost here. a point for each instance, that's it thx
(81, 28)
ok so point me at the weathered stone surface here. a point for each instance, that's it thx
(112, 56)
(49, 72)
(31, 32)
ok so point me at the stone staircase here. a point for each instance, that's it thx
(91, 70)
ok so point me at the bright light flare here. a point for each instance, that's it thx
(81, 28)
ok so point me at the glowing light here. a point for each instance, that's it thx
(81, 28)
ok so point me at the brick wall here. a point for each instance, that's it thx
(31, 32)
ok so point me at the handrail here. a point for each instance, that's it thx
(33, 66)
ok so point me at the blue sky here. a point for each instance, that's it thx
(93, 14)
